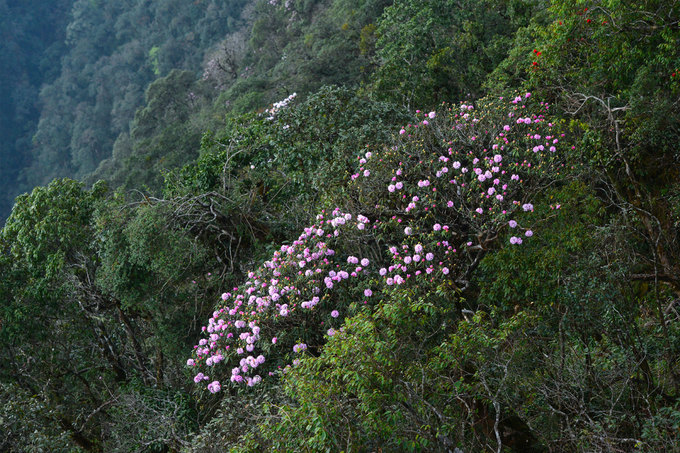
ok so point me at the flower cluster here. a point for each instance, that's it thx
(448, 189)
(277, 106)
(297, 282)
(467, 174)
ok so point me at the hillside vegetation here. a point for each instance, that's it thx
(332, 225)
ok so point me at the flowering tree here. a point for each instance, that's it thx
(301, 286)
(454, 182)
(452, 186)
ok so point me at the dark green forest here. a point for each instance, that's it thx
(335, 225)
(29, 58)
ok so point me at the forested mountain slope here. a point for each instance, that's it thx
(352, 226)
(33, 34)
(115, 50)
